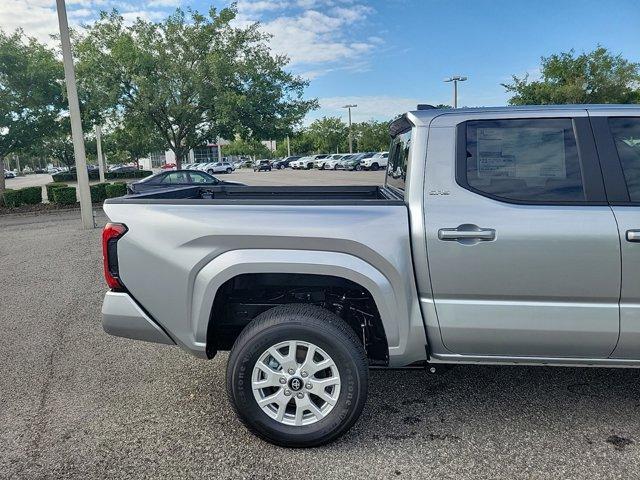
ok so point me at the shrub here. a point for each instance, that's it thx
(71, 176)
(31, 195)
(9, 197)
(98, 192)
(116, 190)
(51, 187)
(65, 195)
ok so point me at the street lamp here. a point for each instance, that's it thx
(350, 106)
(455, 79)
(76, 125)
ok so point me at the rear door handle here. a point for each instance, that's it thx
(467, 232)
(633, 235)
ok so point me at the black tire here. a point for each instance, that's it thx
(358, 167)
(229, 170)
(210, 171)
(374, 167)
(280, 167)
(307, 323)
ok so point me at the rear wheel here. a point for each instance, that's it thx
(210, 171)
(229, 170)
(358, 167)
(280, 167)
(297, 376)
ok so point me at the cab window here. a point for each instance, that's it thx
(626, 134)
(523, 160)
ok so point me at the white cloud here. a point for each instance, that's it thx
(164, 3)
(376, 107)
(312, 33)
(39, 19)
(36, 17)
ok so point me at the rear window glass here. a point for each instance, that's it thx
(530, 160)
(398, 160)
(626, 134)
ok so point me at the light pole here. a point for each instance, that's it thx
(350, 106)
(76, 125)
(455, 79)
(99, 151)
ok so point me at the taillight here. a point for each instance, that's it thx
(111, 233)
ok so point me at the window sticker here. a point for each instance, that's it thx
(526, 152)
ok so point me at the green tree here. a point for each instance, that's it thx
(371, 136)
(328, 134)
(196, 78)
(250, 147)
(31, 97)
(595, 77)
(133, 139)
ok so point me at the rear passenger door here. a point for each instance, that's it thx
(523, 248)
(618, 140)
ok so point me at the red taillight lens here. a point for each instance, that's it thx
(110, 235)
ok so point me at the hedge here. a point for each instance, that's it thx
(51, 187)
(116, 190)
(65, 195)
(71, 176)
(15, 198)
(10, 198)
(31, 195)
(98, 192)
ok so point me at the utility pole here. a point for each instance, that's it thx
(288, 147)
(76, 124)
(99, 147)
(350, 106)
(455, 79)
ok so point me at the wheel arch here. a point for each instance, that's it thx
(234, 263)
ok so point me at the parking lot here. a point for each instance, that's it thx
(77, 403)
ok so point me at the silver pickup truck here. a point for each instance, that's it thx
(501, 236)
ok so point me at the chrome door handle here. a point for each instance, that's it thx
(633, 235)
(464, 232)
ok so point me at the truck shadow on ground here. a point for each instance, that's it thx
(475, 401)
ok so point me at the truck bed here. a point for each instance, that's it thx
(223, 194)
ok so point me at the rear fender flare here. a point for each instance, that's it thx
(236, 262)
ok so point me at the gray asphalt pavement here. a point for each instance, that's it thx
(77, 403)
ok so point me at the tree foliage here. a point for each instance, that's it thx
(595, 77)
(371, 136)
(31, 96)
(196, 78)
(328, 134)
(251, 147)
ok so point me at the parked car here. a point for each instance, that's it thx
(297, 164)
(376, 161)
(176, 178)
(9, 174)
(285, 162)
(352, 163)
(531, 219)
(330, 162)
(218, 167)
(168, 166)
(123, 169)
(308, 162)
(262, 166)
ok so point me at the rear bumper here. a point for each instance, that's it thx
(122, 317)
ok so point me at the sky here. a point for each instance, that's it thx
(386, 56)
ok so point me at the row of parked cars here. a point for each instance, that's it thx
(209, 167)
(338, 161)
